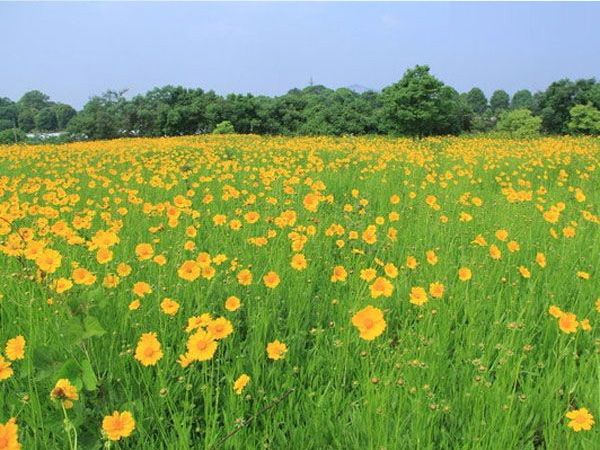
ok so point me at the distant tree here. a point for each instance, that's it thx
(420, 105)
(35, 100)
(225, 127)
(585, 119)
(519, 123)
(11, 136)
(45, 119)
(103, 117)
(8, 114)
(64, 113)
(26, 119)
(555, 103)
(476, 100)
(522, 99)
(499, 101)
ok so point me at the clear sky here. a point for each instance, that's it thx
(74, 50)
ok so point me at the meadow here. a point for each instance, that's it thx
(246, 292)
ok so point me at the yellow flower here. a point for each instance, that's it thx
(464, 274)
(6, 370)
(118, 425)
(524, 271)
(232, 303)
(169, 306)
(271, 280)
(9, 435)
(134, 305)
(299, 262)
(64, 392)
(201, 346)
(104, 255)
(244, 277)
(62, 285)
(436, 290)
(580, 419)
(339, 274)
(141, 289)
(567, 322)
(148, 351)
(15, 348)
(418, 296)
(555, 311)
(276, 350)
(370, 322)
(583, 275)
(123, 269)
(540, 259)
(241, 383)
(189, 270)
(49, 260)
(144, 251)
(220, 328)
(381, 286)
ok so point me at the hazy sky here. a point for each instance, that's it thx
(74, 50)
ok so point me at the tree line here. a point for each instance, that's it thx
(418, 105)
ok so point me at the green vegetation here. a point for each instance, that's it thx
(417, 105)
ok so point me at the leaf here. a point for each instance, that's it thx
(69, 370)
(92, 327)
(90, 382)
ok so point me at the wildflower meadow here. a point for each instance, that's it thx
(247, 292)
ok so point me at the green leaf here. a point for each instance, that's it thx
(92, 327)
(90, 382)
(70, 370)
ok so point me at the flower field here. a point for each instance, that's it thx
(248, 292)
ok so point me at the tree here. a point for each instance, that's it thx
(45, 119)
(26, 119)
(522, 99)
(585, 119)
(476, 100)
(103, 117)
(64, 113)
(34, 100)
(519, 123)
(499, 101)
(224, 127)
(8, 114)
(11, 136)
(420, 105)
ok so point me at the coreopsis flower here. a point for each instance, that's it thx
(464, 274)
(141, 289)
(276, 350)
(299, 262)
(220, 328)
(271, 280)
(540, 259)
(134, 305)
(241, 382)
(201, 346)
(144, 251)
(62, 285)
(583, 275)
(196, 322)
(436, 289)
(161, 260)
(370, 322)
(495, 252)
(64, 392)
(418, 296)
(190, 270)
(555, 311)
(9, 435)
(232, 303)
(148, 350)
(169, 306)
(390, 270)
(49, 260)
(513, 246)
(585, 325)
(123, 269)
(6, 371)
(15, 348)
(580, 419)
(244, 277)
(118, 425)
(411, 262)
(524, 271)
(381, 287)
(432, 258)
(339, 274)
(567, 322)
(104, 255)
(83, 276)
(501, 235)
(368, 274)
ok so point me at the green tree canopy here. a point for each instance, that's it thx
(519, 123)
(499, 101)
(476, 100)
(420, 105)
(585, 119)
(522, 99)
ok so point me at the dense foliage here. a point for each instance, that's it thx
(418, 105)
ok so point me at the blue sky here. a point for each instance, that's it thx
(74, 50)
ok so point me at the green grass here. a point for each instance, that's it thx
(486, 367)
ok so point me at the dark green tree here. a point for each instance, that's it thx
(476, 100)
(45, 119)
(499, 101)
(420, 105)
(522, 99)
